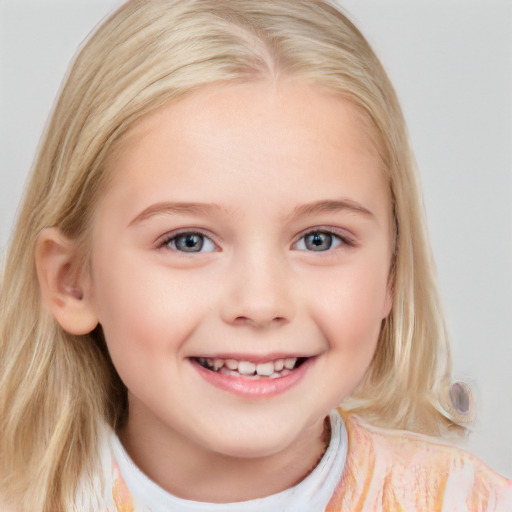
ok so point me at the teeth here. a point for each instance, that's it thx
(225, 371)
(265, 369)
(232, 364)
(246, 368)
(218, 364)
(290, 363)
(272, 369)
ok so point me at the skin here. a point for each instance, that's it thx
(252, 158)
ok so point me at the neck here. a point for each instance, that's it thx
(198, 474)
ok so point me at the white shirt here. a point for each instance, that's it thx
(311, 495)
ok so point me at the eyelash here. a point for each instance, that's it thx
(342, 239)
(335, 237)
(165, 243)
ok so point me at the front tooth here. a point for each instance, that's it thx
(265, 369)
(246, 368)
(290, 363)
(232, 364)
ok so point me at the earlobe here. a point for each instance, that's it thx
(63, 282)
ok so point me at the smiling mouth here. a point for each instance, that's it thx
(269, 369)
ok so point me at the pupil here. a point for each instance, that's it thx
(319, 241)
(190, 243)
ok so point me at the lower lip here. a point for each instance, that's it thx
(254, 388)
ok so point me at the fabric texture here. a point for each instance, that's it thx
(394, 471)
(312, 494)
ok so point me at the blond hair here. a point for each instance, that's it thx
(57, 390)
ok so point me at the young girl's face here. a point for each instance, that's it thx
(246, 228)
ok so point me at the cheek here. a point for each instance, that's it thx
(351, 309)
(145, 310)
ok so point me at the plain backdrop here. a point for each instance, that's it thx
(451, 63)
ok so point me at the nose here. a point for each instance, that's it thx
(258, 293)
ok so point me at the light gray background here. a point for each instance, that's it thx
(451, 63)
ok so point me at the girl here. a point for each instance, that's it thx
(222, 242)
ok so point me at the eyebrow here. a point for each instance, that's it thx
(331, 205)
(327, 205)
(167, 208)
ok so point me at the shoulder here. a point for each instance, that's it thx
(408, 471)
(101, 489)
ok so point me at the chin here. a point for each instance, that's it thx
(264, 441)
(248, 446)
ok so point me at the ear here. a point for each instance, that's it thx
(64, 283)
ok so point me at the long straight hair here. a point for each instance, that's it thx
(58, 390)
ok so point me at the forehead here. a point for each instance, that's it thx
(265, 130)
(226, 103)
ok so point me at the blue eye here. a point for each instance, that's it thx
(318, 241)
(190, 242)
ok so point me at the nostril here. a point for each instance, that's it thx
(260, 322)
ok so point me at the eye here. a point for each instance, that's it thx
(319, 241)
(190, 242)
